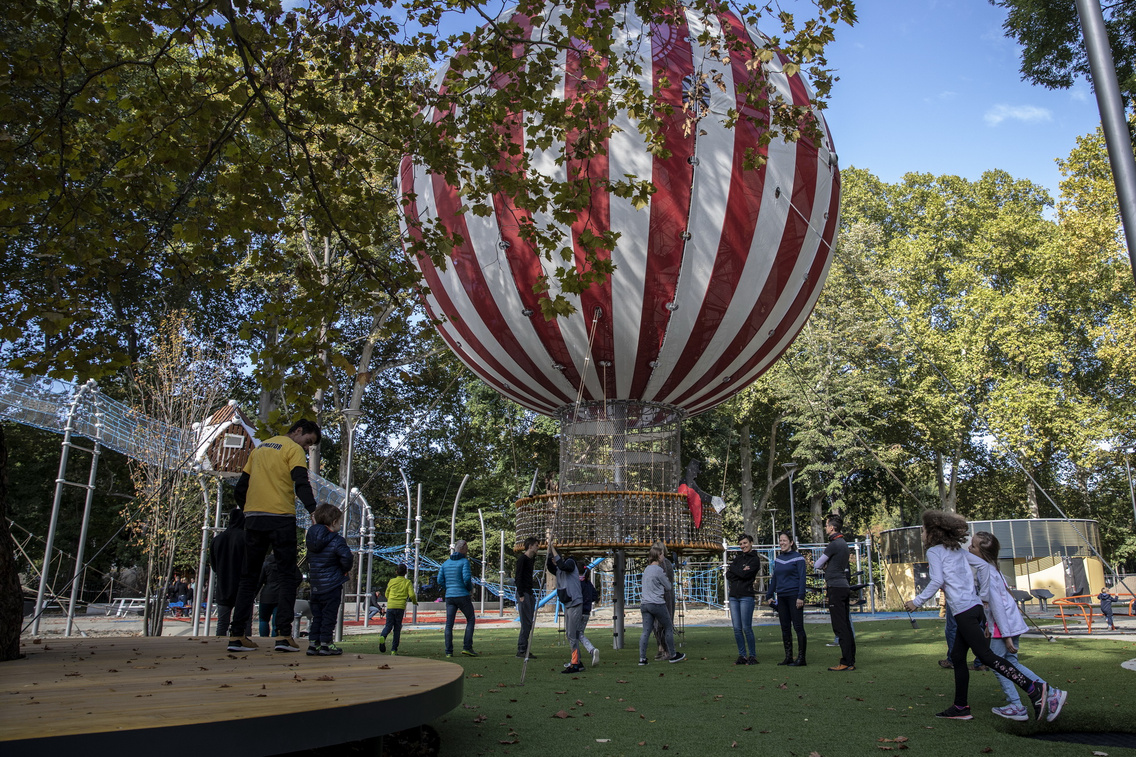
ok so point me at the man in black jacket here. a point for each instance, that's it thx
(526, 597)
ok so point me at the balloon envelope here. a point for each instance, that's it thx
(715, 275)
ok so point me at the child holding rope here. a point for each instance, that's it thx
(943, 534)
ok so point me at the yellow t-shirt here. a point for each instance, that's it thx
(270, 476)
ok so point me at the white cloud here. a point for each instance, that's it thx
(1027, 113)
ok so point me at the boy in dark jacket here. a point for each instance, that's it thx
(227, 560)
(329, 562)
(1106, 599)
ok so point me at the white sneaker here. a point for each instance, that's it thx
(1056, 702)
(1011, 712)
(595, 657)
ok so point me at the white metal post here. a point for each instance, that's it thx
(417, 548)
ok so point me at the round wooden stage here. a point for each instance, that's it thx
(189, 695)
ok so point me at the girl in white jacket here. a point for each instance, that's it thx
(943, 536)
(1004, 621)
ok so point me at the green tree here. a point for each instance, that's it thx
(1053, 51)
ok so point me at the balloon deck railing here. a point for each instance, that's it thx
(602, 521)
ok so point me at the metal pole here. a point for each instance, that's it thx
(359, 570)
(198, 585)
(212, 577)
(370, 564)
(454, 514)
(81, 549)
(417, 548)
(409, 507)
(60, 480)
(1131, 491)
(484, 549)
(618, 600)
(501, 579)
(791, 467)
(1115, 126)
(871, 579)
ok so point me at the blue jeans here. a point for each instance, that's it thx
(741, 615)
(998, 647)
(465, 604)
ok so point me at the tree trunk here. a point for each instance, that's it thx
(749, 518)
(1031, 498)
(816, 509)
(11, 598)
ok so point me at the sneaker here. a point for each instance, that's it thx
(394, 653)
(1041, 701)
(573, 669)
(947, 664)
(312, 650)
(241, 644)
(833, 644)
(954, 712)
(330, 650)
(1011, 712)
(842, 668)
(678, 657)
(287, 644)
(383, 645)
(642, 661)
(1054, 704)
(470, 653)
(741, 660)
(595, 657)
(751, 660)
(449, 654)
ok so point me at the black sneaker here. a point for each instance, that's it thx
(470, 653)
(329, 650)
(752, 661)
(313, 650)
(573, 669)
(679, 657)
(642, 661)
(741, 660)
(383, 645)
(954, 712)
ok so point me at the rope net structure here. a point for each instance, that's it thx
(619, 475)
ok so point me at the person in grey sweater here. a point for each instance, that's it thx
(653, 608)
(571, 596)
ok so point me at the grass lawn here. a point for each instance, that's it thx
(708, 705)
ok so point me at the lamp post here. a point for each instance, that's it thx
(790, 468)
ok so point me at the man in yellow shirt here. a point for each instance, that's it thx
(275, 476)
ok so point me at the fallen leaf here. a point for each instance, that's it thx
(630, 709)
(901, 739)
(562, 714)
(783, 686)
(734, 745)
(621, 681)
(987, 750)
(481, 718)
(514, 741)
(562, 692)
(886, 748)
(642, 743)
(579, 703)
(326, 678)
(603, 741)
(476, 675)
(748, 728)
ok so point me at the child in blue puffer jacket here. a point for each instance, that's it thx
(329, 562)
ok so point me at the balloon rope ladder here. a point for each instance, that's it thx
(596, 315)
(1009, 452)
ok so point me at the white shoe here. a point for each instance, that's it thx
(595, 657)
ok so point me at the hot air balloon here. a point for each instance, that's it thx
(715, 273)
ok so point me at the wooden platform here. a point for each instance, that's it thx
(183, 695)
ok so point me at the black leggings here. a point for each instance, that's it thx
(788, 612)
(971, 636)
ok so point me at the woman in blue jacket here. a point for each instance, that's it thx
(787, 595)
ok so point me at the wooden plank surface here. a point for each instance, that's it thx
(106, 694)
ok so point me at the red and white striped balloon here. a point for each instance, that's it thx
(714, 277)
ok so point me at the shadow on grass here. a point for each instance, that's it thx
(707, 704)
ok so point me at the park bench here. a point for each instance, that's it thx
(1085, 606)
(123, 606)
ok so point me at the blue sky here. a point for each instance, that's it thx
(934, 87)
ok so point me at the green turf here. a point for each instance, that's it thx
(707, 704)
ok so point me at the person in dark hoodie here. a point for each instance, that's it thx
(227, 560)
(571, 595)
(787, 595)
(329, 562)
(456, 578)
(743, 569)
